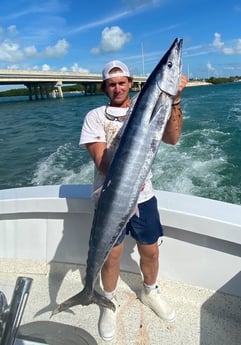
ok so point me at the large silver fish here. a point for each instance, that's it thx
(128, 170)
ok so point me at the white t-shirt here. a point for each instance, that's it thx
(98, 128)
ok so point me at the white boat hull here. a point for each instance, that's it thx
(43, 225)
(44, 234)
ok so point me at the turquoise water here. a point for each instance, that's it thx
(39, 144)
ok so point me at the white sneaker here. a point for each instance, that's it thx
(107, 323)
(152, 299)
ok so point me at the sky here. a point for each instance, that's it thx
(83, 35)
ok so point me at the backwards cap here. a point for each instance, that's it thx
(115, 64)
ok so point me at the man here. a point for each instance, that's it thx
(101, 133)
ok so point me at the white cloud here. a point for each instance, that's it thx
(138, 3)
(45, 67)
(132, 8)
(58, 50)
(112, 39)
(236, 49)
(12, 30)
(14, 66)
(76, 68)
(30, 51)
(12, 52)
(233, 49)
(210, 67)
(102, 22)
(217, 43)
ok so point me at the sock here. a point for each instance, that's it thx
(110, 295)
(152, 287)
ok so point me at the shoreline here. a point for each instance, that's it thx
(197, 83)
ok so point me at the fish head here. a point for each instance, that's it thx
(170, 69)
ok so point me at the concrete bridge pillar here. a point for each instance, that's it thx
(30, 93)
(42, 90)
(61, 95)
(36, 92)
(54, 93)
(58, 85)
(90, 88)
(33, 89)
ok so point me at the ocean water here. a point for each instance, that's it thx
(39, 143)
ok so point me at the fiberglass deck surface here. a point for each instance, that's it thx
(203, 317)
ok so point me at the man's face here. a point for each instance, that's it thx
(117, 89)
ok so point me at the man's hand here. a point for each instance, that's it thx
(182, 85)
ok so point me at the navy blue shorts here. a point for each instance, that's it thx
(146, 228)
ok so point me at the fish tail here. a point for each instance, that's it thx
(84, 297)
(102, 301)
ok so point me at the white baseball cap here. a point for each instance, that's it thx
(115, 64)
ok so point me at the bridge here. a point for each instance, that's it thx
(44, 83)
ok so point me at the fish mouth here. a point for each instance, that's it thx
(172, 69)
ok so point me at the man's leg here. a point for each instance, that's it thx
(150, 294)
(109, 275)
(111, 269)
(149, 262)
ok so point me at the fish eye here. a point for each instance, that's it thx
(169, 64)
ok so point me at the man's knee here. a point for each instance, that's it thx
(149, 252)
(114, 257)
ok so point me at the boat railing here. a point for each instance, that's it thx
(11, 315)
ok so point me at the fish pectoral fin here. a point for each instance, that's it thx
(96, 195)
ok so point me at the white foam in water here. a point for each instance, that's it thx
(206, 161)
(190, 169)
(54, 169)
(183, 168)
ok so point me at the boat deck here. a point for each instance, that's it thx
(202, 316)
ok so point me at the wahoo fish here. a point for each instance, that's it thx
(128, 170)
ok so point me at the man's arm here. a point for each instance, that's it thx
(98, 152)
(174, 124)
